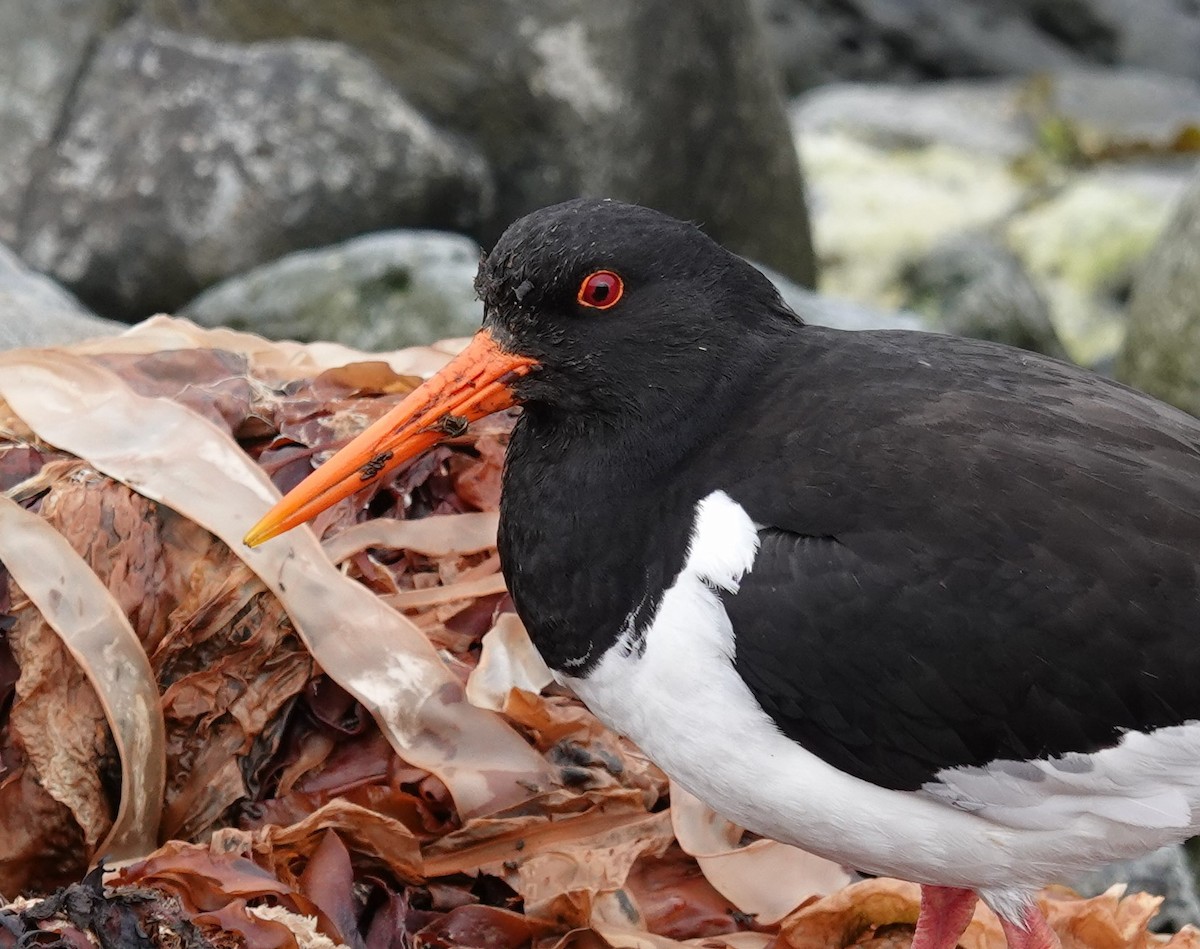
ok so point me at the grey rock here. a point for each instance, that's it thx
(896, 172)
(1157, 34)
(884, 191)
(972, 115)
(35, 311)
(377, 292)
(839, 314)
(1083, 243)
(1161, 353)
(184, 161)
(1099, 113)
(1071, 114)
(44, 47)
(972, 285)
(1166, 873)
(653, 101)
(820, 41)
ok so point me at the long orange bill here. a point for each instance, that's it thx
(472, 385)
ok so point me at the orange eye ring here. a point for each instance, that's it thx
(601, 290)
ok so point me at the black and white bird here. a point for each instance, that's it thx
(926, 606)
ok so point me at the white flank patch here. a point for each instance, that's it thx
(1149, 780)
(682, 701)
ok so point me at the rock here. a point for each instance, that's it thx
(1070, 115)
(896, 172)
(1096, 114)
(821, 41)
(974, 116)
(378, 292)
(43, 48)
(839, 314)
(1166, 872)
(1083, 246)
(973, 285)
(571, 98)
(1162, 348)
(35, 311)
(184, 161)
(881, 199)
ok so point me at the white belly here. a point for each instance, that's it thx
(681, 700)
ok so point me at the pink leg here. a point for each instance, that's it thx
(1032, 933)
(945, 912)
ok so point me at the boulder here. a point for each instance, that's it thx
(885, 191)
(821, 41)
(839, 314)
(1074, 173)
(1162, 347)
(662, 103)
(35, 311)
(973, 285)
(378, 292)
(1167, 873)
(183, 161)
(1083, 244)
(44, 47)
(1099, 114)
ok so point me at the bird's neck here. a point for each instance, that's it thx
(587, 540)
(596, 517)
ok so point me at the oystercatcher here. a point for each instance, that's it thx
(926, 606)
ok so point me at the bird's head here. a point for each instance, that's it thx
(593, 310)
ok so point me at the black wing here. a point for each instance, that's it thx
(972, 555)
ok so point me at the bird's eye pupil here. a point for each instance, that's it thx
(601, 290)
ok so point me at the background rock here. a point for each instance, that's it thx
(820, 41)
(185, 161)
(1162, 349)
(35, 311)
(1095, 114)
(1166, 873)
(973, 285)
(1074, 173)
(44, 47)
(978, 116)
(382, 291)
(571, 98)
(839, 314)
(1083, 242)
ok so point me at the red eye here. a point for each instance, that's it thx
(601, 290)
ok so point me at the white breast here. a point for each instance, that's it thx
(681, 700)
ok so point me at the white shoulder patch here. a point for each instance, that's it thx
(724, 542)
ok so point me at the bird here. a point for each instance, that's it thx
(923, 605)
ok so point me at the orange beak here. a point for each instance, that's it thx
(474, 384)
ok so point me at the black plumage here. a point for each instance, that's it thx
(968, 552)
